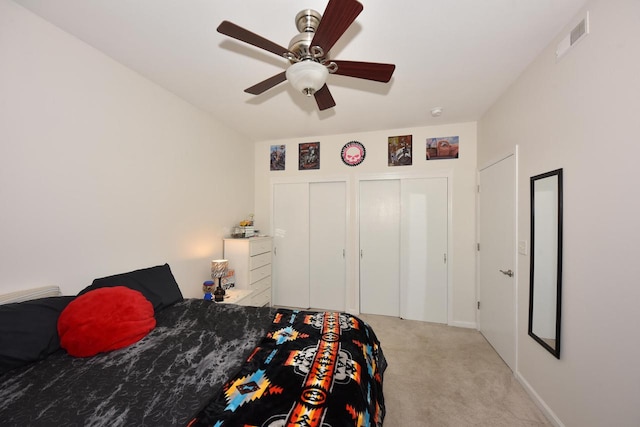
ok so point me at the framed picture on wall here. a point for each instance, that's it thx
(446, 147)
(309, 155)
(400, 150)
(277, 157)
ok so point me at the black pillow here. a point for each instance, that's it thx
(29, 331)
(157, 284)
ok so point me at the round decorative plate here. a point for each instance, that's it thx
(353, 153)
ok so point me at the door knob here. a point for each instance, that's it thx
(507, 273)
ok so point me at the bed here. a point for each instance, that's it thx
(200, 364)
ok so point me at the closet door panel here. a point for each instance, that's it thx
(291, 245)
(423, 266)
(379, 214)
(327, 233)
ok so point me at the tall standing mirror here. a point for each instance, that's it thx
(546, 260)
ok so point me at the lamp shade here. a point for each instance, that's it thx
(307, 76)
(219, 268)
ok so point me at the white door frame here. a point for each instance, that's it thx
(496, 159)
(448, 174)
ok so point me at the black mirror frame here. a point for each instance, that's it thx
(555, 351)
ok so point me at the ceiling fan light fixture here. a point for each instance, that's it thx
(307, 76)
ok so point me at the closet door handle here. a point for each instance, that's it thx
(507, 273)
(360, 253)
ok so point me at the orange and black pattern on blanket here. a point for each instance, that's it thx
(310, 370)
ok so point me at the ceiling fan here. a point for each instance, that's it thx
(308, 52)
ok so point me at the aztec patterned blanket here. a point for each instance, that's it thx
(311, 369)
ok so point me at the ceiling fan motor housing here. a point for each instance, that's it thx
(307, 22)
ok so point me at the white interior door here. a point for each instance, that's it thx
(423, 262)
(327, 239)
(291, 245)
(497, 257)
(380, 247)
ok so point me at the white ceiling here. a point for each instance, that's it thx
(460, 55)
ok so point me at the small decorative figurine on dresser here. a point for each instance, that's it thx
(207, 288)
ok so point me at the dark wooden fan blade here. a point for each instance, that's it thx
(324, 98)
(365, 70)
(337, 17)
(232, 30)
(265, 85)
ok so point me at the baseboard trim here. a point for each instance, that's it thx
(458, 324)
(541, 404)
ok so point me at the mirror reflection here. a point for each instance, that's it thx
(546, 260)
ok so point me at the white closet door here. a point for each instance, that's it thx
(423, 264)
(291, 245)
(380, 247)
(327, 239)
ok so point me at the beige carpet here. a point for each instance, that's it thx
(444, 376)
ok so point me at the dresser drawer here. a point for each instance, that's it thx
(259, 273)
(259, 260)
(259, 246)
(261, 285)
(263, 298)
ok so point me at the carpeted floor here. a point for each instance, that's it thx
(444, 376)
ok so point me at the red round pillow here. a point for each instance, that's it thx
(105, 319)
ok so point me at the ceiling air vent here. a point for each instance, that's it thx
(578, 33)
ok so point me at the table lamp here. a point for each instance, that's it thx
(219, 270)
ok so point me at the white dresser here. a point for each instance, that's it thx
(251, 260)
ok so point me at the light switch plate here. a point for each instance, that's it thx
(522, 247)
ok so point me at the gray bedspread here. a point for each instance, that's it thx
(162, 380)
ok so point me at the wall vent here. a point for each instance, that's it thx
(580, 31)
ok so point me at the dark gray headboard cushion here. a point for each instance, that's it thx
(28, 331)
(157, 284)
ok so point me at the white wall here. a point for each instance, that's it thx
(581, 114)
(462, 170)
(101, 171)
